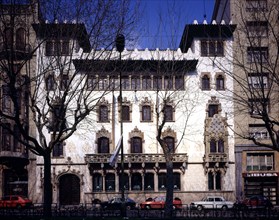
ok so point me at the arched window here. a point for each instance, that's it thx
(9, 38)
(103, 113)
(97, 182)
(136, 145)
(103, 145)
(136, 181)
(214, 180)
(221, 146)
(125, 181)
(170, 143)
(50, 83)
(220, 83)
(205, 82)
(20, 39)
(213, 146)
(162, 180)
(110, 182)
(149, 181)
(168, 112)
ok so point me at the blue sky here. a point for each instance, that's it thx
(164, 20)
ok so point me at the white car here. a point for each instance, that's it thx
(212, 202)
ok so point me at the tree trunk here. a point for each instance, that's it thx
(47, 185)
(169, 183)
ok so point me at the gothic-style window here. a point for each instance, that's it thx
(176, 181)
(162, 180)
(136, 145)
(110, 182)
(97, 182)
(20, 39)
(214, 180)
(205, 82)
(146, 83)
(179, 83)
(157, 82)
(168, 112)
(103, 113)
(170, 144)
(50, 83)
(221, 146)
(212, 110)
(125, 181)
(146, 113)
(64, 83)
(103, 145)
(58, 150)
(136, 181)
(220, 83)
(125, 113)
(9, 38)
(213, 147)
(149, 181)
(6, 137)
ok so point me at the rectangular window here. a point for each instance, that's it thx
(58, 150)
(257, 28)
(212, 110)
(157, 82)
(256, 5)
(179, 82)
(64, 82)
(113, 82)
(258, 131)
(135, 83)
(168, 82)
(56, 47)
(212, 48)
(146, 113)
(6, 137)
(146, 83)
(257, 54)
(260, 161)
(91, 82)
(257, 106)
(258, 80)
(125, 83)
(103, 83)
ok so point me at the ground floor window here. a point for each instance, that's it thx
(214, 180)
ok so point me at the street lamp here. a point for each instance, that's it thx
(120, 44)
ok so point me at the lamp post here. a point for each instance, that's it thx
(120, 44)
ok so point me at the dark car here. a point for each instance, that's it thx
(256, 201)
(15, 201)
(115, 204)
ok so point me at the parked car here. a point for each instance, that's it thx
(212, 202)
(159, 203)
(256, 201)
(15, 201)
(115, 204)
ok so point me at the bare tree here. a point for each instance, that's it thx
(255, 72)
(48, 97)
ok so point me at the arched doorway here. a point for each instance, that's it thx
(69, 189)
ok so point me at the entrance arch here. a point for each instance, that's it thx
(69, 189)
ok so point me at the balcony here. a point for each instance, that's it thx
(216, 157)
(136, 161)
(22, 52)
(11, 158)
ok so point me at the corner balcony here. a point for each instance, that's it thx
(22, 52)
(136, 161)
(11, 158)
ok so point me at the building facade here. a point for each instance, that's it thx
(184, 85)
(255, 73)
